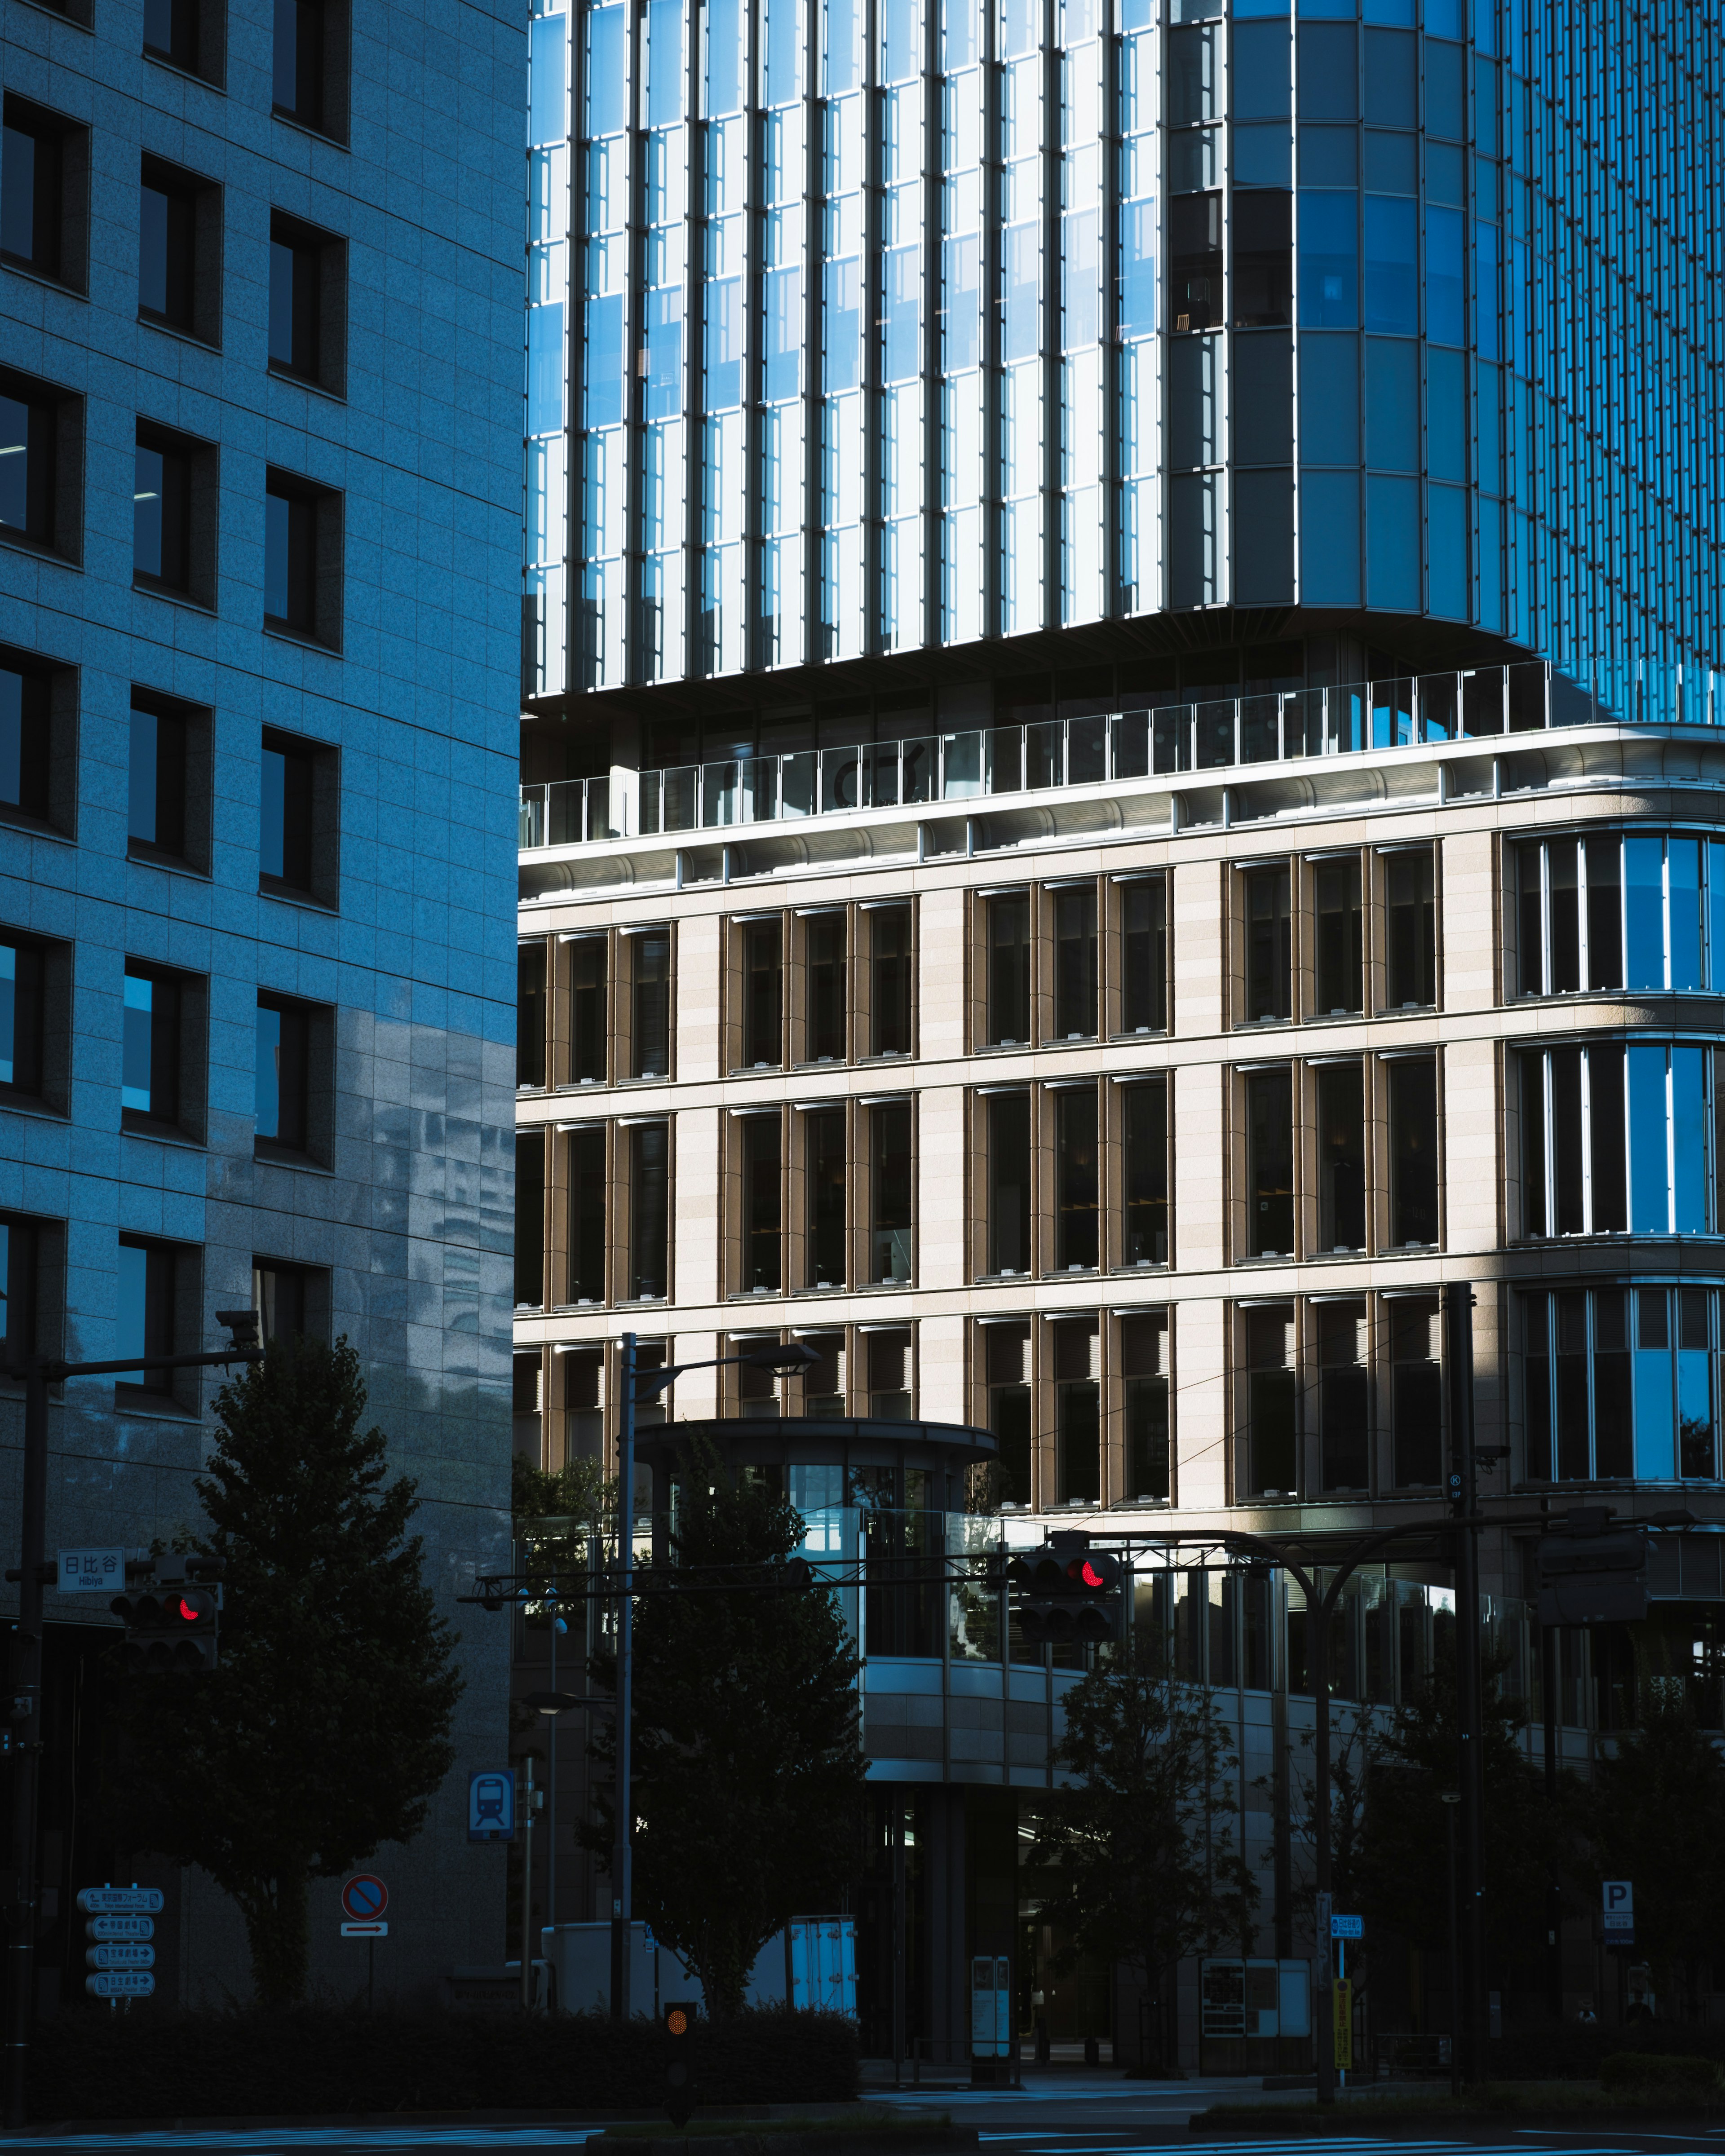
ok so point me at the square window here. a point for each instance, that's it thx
(302, 559)
(168, 782)
(294, 1069)
(161, 1069)
(44, 193)
(188, 34)
(299, 792)
(308, 302)
(310, 85)
(156, 1313)
(173, 517)
(180, 251)
(41, 464)
(292, 1301)
(35, 999)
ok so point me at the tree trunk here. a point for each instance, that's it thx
(276, 1933)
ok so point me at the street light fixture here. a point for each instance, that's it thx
(640, 1387)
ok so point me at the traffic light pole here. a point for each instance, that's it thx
(1470, 1775)
(623, 1801)
(37, 1373)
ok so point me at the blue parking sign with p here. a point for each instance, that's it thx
(491, 1807)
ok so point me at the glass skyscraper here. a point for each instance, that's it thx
(932, 324)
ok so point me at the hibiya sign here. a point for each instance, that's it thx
(120, 1928)
(1618, 1897)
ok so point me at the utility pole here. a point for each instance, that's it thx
(1470, 1773)
(623, 1801)
(37, 1373)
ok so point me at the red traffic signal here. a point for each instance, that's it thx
(169, 1627)
(1063, 1594)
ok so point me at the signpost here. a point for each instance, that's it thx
(90, 1571)
(364, 1898)
(1619, 1897)
(121, 1924)
(1342, 1930)
(491, 1807)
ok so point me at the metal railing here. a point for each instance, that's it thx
(1219, 734)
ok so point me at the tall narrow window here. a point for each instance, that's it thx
(21, 1016)
(1340, 938)
(889, 982)
(1270, 1164)
(1271, 1449)
(26, 731)
(306, 284)
(1413, 1150)
(824, 937)
(1008, 931)
(1074, 964)
(1144, 1172)
(889, 1361)
(1008, 1183)
(824, 1383)
(650, 1028)
(149, 1058)
(1006, 1371)
(30, 461)
(648, 1212)
(1343, 1415)
(587, 1214)
(1417, 1392)
(891, 1187)
(168, 265)
(1269, 940)
(284, 1075)
(762, 995)
(302, 61)
(1608, 1185)
(155, 823)
(1411, 929)
(1143, 956)
(1530, 919)
(161, 513)
(292, 558)
(19, 1245)
(171, 32)
(144, 1312)
(43, 188)
(1078, 1452)
(762, 1218)
(1614, 1385)
(1605, 912)
(824, 1183)
(530, 1016)
(529, 1221)
(1077, 1180)
(589, 966)
(1340, 1157)
(1144, 1371)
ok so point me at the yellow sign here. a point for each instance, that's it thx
(1342, 1995)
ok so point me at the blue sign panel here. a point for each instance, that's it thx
(1347, 1928)
(490, 1808)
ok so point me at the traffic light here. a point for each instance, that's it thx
(1593, 1573)
(173, 1620)
(1068, 1591)
(679, 2017)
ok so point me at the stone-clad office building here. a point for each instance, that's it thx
(1121, 783)
(260, 386)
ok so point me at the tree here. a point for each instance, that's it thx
(1400, 1867)
(747, 1765)
(1140, 1846)
(325, 1728)
(1655, 1814)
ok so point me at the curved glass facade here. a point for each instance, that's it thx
(876, 331)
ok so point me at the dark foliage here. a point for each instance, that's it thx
(317, 2060)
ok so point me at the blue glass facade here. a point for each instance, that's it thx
(912, 328)
(262, 361)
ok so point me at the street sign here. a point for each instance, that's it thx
(121, 1983)
(490, 1808)
(365, 1898)
(120, 1953)
(1618, 1898)
(120, 1927)
(1347, 1928)
(366, 1931)
(113, 1900)
(90, 1571)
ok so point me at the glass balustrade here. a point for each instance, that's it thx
(1098, 749)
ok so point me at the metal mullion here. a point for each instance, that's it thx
(1548, 1227)
(753, 342)
(1108, 234)
(933, 230)
(634, 339)
(1545, 964)
(873, 275)
(1053, 292)
(694, 345)
(1586, 1143)
(991, 266)
(814, 144)
(1581, 936)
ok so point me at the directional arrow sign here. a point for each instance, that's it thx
(120, 1927)
(111, 1900)
(121, 1954)
(121, 1983)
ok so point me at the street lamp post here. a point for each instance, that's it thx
(1450, 1798)
(37, 1373)
(638, 1388)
